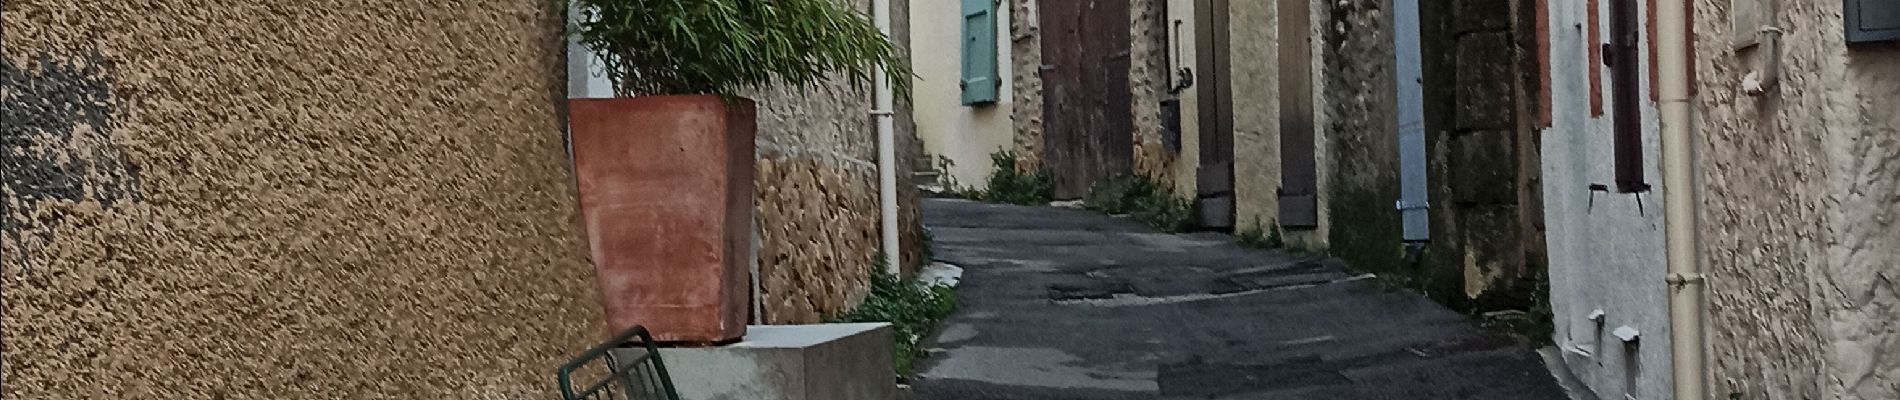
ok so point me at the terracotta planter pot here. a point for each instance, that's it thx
(666, 192)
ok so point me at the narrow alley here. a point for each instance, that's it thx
(1071, 304)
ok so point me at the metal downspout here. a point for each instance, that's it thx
(886, 146)
(1686, 284)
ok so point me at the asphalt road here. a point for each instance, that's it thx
(1071, 304)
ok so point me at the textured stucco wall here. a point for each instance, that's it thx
(345, 199)
(1798, 193)
(966, 134)
(818, 195)
(1862, 327)
(1606, 248)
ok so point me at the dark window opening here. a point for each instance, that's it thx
(1625, 95)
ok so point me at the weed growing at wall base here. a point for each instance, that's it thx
(1010, 184)
(912, 308)
(1260, 236)
(1139, 197)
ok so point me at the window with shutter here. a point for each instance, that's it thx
(979, 52)
(1625, 96)
(1872, 20)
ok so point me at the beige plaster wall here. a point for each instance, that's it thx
(1256, 78)
(1256, 105)
(966, 134)
(1254, 64)
(340, 199)
(1799, 200)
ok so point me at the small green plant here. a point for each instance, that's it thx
(1532, 325)
(1010, 184)
(1542, 317)
(912, 308)
(1260, 236)
(944, 177)
(949, 185)
(1141, 198)
(1166, 213)
(661, 47)
(1118, 195)
(929, 240)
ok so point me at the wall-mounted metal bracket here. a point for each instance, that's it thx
(1677, 279)
(1403, 205)
(1626, 334)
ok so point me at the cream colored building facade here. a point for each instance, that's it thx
(965, 134)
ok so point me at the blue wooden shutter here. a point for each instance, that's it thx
(979, 52)
(1872, 20)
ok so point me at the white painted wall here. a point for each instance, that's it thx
(1605, 254)
(965, 134)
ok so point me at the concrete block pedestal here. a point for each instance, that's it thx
(789, 362)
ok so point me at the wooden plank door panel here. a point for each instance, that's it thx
(1299, 180)
(1088, 120)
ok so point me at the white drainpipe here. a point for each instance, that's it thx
(1686, 283)
(886, 145)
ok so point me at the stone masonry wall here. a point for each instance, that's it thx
(818, 196)
(1362, 134)
(1482, 150)
(1025, 68)
(235, 199)
(1147, 85)
(1800, 192)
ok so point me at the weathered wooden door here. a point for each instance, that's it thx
(1088, 122)
(1214, 183)
(1299, 178)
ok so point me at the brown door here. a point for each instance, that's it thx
(1299, 183)
(1088, 122)
(1214, 185)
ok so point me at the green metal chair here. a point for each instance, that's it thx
(641, 377)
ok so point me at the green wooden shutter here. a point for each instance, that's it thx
(979, 52)
(1872, 20)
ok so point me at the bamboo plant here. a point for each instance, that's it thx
(670, 47)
